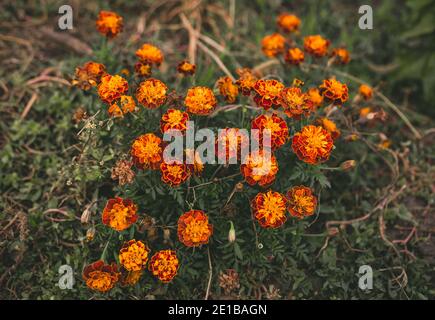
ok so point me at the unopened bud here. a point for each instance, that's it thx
(348, 165)
(351, 137)
(239, 187)
(90, 234)
(166, 234)
(232, 233)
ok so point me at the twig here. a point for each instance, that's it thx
(210, 274)
(29, 105)
(216, 59)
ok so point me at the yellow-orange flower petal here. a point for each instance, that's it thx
(147, 151)
(133, 255)
(200, 100)
(301, 202)
(194, 229)
(164, 265)
(228, 89)
(273, 45)
(313, 144)
(112, 88)
(151, 93)
(269, 209)
(109, 24)
(334, 91)
(150, 54)
(101, 277)
(267, 93)
(119, 214)
(316, 45)
(288, 22)
(279, 132)
(259, 169)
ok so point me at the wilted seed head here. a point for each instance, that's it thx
(90, 234)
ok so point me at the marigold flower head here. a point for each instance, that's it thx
(301, 202)
(151, 93)
(267, 93)
(101, 277)
(313, 144)
(273, 45)
(150, 54)
(295, 102)
(229, 144)
(200, 100)
(364, 112)
(147, 151)
(109, 24)
(143, 69)
(164, 265)
(269, 209)
(315, 97)
(259, 168)
(194, 229)
(126, 104)
(294, 56)
(130, 278)
(174, 173)
(246, 80)
(228, 89)
(119, 214)
(112, 88)
(133, 255)
(341, 55)
(316, 45)
(279, 133)
(334, 91)
(288, 22)
(174, 119)
(88, 75)
(365, 91)
(330, 126)
(186, 68)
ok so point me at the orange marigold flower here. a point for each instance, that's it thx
(164, 265)
(133, 255)
(228, 89)
(109, 24)
(267, 93)
(112, 88)
(147, 151)
(295, 102)
(315, 97)
(186, 68)
(288, 22)
(130, 278)
(200, 100)
(301, 202)
(258, 168)
(174, 173)
(126, 104)
(143, 69)
(229, 144)
(312, 144)
(334, 91)
(273, 45)
(174, 119)
(89, 75)
(294, 56)
(341, 55)
(194, 229)
(269, 209)
(316, 45)
(366, 91)
(150, 54)
(151, 93)
(330, 126)
(119, 214)
(101, 277)
(246, 80)
(279, 133)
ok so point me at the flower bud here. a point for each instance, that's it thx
(232, 233)
(90, 234)
(348, 165)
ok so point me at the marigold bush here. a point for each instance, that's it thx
(306, 116)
